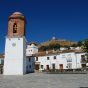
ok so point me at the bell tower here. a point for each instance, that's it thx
(15, 46)
(16, 25)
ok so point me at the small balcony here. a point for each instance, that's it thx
(83, 61)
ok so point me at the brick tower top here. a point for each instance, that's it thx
(16, 25)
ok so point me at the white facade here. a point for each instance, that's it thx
(78, 56)
(63, 48)
(31, 49)
(15, 56)
(75, 48)
(70, 60)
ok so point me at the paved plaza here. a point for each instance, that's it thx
(41, 80)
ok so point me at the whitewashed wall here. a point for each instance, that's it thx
(78, 55)
(31, 49)
(61, 58)
(15, 56)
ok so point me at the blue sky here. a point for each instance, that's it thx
(66, 19)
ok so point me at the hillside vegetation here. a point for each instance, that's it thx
(56, 44)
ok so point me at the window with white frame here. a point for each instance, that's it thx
(63, 56)
(69, 65)
(69, 58)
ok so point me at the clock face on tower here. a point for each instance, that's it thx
(13, 44)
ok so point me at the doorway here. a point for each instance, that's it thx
(53, 66)
(61, 67)
(83, 65)
(36, 66)
(47, 67)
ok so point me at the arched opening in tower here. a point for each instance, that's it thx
(15, 28)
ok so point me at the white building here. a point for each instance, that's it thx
(68, 59)
(63, 48)
(31, 49)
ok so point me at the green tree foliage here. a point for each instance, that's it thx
(42, 48)
(79, 44)
(85, 45)
(50, 47)
(54, 46)
(74, 45)
(86, 57)
(85, 48)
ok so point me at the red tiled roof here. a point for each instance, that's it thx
(56, 52)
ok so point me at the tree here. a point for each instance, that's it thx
(74, 45)
(85, 45)
(54, 46)
(42, 48)
(86, 55)
(85, 48)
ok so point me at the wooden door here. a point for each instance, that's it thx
(61, 67)
(47, 67)
(36, 66)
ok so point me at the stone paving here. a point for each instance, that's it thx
(41, 80)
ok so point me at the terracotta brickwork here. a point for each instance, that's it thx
(20, 21)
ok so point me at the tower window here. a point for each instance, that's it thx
(15, 28)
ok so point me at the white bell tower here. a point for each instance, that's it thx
(15, 46)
